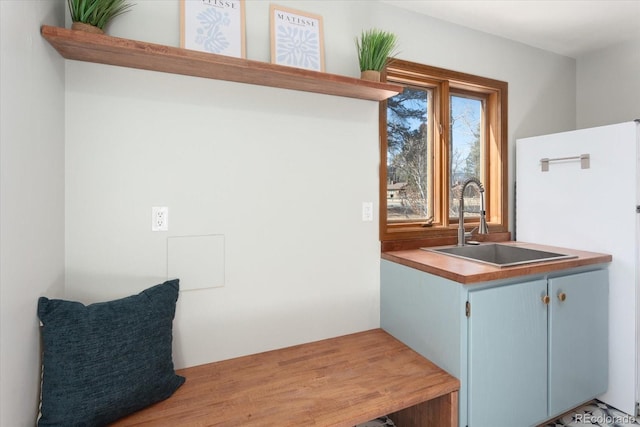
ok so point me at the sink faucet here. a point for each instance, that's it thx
(482, 228)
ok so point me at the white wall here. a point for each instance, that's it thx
(31, 196)
(608, 84)
(285, 189)
(281, 174)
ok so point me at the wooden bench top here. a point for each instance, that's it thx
(340, 381)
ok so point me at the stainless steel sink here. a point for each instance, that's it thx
(500, 255)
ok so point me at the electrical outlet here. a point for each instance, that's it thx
(367, 211)
(160, 218)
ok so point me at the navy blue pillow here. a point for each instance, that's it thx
(106, 360)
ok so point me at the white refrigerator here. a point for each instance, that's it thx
(579, 189)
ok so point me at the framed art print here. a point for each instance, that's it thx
(213, 26)
(296, 38)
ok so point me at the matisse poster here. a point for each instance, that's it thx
(213, 26)
(296, 38)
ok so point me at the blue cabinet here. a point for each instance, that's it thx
(524, 350)
(507, 379)
(578, 331)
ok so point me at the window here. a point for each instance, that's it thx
(444, 128)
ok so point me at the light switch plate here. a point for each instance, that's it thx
(367, 211)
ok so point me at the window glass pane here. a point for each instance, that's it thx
(465, 152)
(409, 180)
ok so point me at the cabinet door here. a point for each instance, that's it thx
(508, 355)
(578, 339)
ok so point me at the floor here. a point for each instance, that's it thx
(594, 413)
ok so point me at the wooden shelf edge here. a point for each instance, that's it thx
(103, 49)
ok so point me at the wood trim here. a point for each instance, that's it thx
(441, 170)
(382, 170)
(503, 100)
(495, 93)
(406, 244)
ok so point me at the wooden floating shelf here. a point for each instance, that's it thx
(102, 49)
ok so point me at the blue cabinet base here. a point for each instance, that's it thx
(521, 358)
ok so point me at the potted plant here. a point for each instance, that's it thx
(94, 15)
(375, 48)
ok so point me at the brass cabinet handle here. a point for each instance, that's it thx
(546, 299)
(562, 296)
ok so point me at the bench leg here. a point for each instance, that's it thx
(439, 412)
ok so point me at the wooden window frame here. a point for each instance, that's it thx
(495, 178)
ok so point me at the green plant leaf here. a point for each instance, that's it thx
(97, 12)
(375, 47)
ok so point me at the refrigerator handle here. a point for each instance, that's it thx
(584, 161)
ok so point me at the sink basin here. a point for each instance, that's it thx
(500, 255)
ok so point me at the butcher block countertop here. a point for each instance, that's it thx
(470, 272)
(337, 382)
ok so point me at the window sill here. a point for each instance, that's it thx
(440, 240)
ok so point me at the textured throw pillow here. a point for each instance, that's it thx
(106, 360)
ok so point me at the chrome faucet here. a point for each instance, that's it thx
(482, 228)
